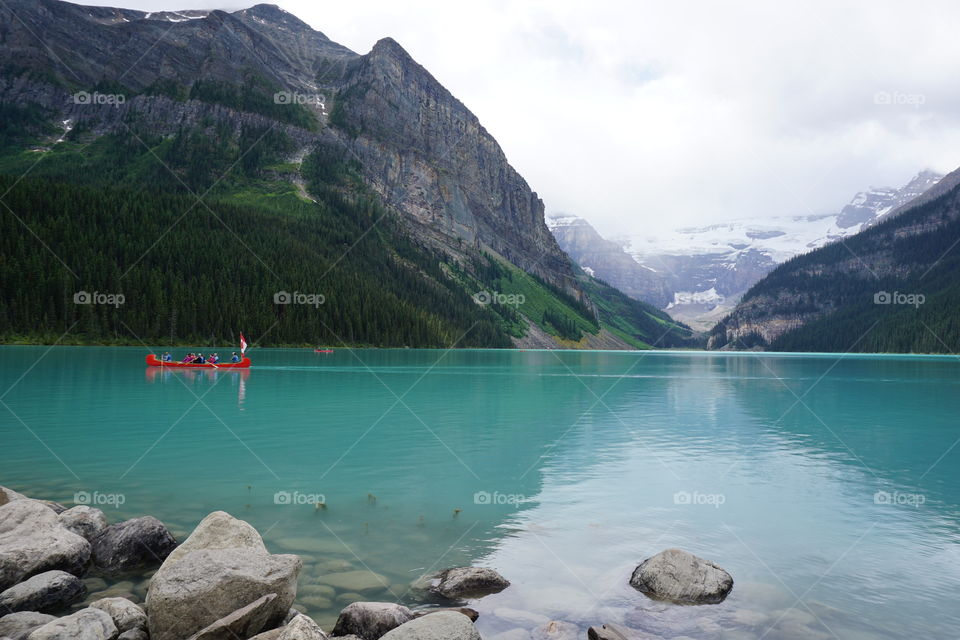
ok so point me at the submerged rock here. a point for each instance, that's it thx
(681, 577)
(556, 630)
(86, 624)
(445, 625)
(47, 591)
(618, 632)
(356, 581)
(223, 566)
(86, 522)
(32, 541)
(371, 620)
(469, 582)
(17, 626)
(135, 543)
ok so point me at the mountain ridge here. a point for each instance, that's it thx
(255, 108)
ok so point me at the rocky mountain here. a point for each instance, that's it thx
(893, 287)
(607, 260)
(699, 273)
(254, 104)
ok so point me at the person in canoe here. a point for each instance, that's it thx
(213, 359)
(200, 359)
(234, 357)
(189, 358)
(166, 357)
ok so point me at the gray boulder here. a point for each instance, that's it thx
(223, 566)
(242, 623)
(86, 624)
(371, 620)
(84, 521)
(47, 591)
(17, 626)
(134, 634)
(445, 625)
(124, 613)
(469, 582)
(135, 543)
(301, 628)
(32, 541)
(681, 577)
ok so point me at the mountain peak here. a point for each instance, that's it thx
(273, 15)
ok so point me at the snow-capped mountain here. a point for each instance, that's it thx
(699, 273)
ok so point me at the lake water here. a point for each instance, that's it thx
(826, 485)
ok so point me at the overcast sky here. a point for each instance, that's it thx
(641, 114)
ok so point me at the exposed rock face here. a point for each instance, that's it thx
(86, 624)
(125, 614)
(370, 620)
(469, 582)
(139, 542)
(17, 626)
(220, 568)
(446, 625)
(426, 153)
(87, 522)
(47, 591)
(608, 261)
(32, 541)
(682, 578)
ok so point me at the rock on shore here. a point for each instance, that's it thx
(135, 543)
(221, 568)
(47, 591)
(443, 625)
(32, 540)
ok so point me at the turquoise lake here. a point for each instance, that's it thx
(827, 485)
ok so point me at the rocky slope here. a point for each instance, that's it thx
(892, 287)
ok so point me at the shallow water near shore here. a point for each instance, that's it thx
(828, 486)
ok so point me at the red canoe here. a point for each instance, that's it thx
(153, 361)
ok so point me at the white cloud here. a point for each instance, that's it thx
(649, 114)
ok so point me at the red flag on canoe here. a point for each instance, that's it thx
(243, 343)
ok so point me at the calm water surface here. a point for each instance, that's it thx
(827, 486)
